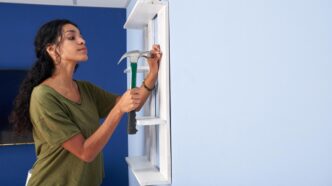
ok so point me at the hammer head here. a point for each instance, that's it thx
(134, 55)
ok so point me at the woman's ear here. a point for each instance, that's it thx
(51, 50)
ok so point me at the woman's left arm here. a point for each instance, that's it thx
(150, 80)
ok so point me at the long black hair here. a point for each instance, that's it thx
(43, 68)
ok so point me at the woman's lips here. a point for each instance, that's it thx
(83, 50)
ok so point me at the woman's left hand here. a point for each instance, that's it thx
(155, 58)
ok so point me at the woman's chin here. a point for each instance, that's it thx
(84, 59)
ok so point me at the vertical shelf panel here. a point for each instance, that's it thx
(164, 130)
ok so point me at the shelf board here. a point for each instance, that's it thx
(148, 120)
(142, 12)
(145, 172)
(139, 69)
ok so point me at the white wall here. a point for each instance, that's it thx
(251, 86)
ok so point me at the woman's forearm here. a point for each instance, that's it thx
(88, 149)
(149, 81)
(97, 141)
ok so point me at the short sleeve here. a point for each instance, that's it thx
(51, 121)
(104, 100)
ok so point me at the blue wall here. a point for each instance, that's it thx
(251, 92)
(106, 42)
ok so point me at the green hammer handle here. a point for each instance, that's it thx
(131, 128)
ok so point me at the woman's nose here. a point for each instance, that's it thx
(81, 40)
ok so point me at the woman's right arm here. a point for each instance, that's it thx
(88, 149)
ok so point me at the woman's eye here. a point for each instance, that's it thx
(71, 38)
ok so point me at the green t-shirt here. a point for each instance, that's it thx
(56, 119)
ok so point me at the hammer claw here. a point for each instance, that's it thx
(134, 55)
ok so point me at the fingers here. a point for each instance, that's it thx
(156, 55)
(132, 99)
(136, 95)
(156, 48)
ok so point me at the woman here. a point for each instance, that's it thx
(63, 113)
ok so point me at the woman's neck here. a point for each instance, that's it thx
(63, 76)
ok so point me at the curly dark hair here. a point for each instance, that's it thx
(49, 33)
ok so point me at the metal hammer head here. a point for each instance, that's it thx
(134, 55)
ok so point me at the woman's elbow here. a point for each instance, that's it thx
(87, 158)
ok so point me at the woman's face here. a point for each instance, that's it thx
(72, 45)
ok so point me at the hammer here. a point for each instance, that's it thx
(133, 56)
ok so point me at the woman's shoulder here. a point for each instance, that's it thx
(87, 85)
(40, 91)
(84, 82)
(90, 88)
(43, 94)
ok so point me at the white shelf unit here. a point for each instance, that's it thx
(142, 12)
(145, 172)
(148, 120)
(154, 167)
(140, 69)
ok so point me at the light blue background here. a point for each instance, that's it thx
(251, 93)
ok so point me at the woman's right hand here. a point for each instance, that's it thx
(129, 101)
